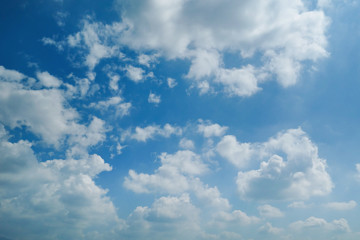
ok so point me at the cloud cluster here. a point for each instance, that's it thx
(292, 168)
(279, 36)
(52, 199)
(284, 33)
(149, 132)
(56, 198)
(120, 107)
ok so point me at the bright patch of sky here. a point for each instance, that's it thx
(185, 119)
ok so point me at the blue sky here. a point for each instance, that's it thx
(182, 119)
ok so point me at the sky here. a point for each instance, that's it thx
(183, 119)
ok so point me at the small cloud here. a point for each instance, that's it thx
(269, 211)
(341, 206)
(269, 229)
(149, 132)
(299, 204)
(211, 130)
(153, 98)
(171, 82)
(48, 80)
(186, 143)
(121, 108)
(134, 73)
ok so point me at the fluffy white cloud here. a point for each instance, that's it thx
(10, 75)
(341, 206)
(175, 216)
(48, 80)
(42, 111)
(114, 79)
(147, 60)
(208, 129)
(117, 103)
(284, 33)
(269, 211)
(171, 176)
(186, 143)
(171, 82)
(149, 132)
(54, 199)
(96, 40)
(237, 217)
(236, 153)
(153, 98)
(269, 229)
(313, 223)
(134, 73)
(293, 169)
(298, 204)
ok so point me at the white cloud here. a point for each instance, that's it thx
(269, 211)
(237, 217)
(97, 41)
(341, 206)
(211, 130)
(269, 229)
(117, 103)
(170, 177)
(10, 75)
(147, 60)
(134, 73)
(114, 79)
(239, 154)
(293, 170)
(298, 204)
(153, 98)
(171, 82)
(53, 199)
(181, 220)
(186, 144)
(48, 80)
(42, 111)
(313, 223)
(49, 41)
(241, 82)
(149, 132)
(284, 33)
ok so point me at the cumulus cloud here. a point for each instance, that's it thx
(134, 73)
(150, 132)
(96, 41)
(179, 214)
(153, 98)
(284, 33)
(207, 129)
(186, 143)
(298, 204)
(341, 206)
(293, 169)
(114, 79)
(237, 217)
(314, 223)
(53, 199)
(239, 154)
(269, 229)
(120, 107)
(48, 80)
(269, 211)
(10, 75)
(171, 82)
(44, 111)
(171, 176)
